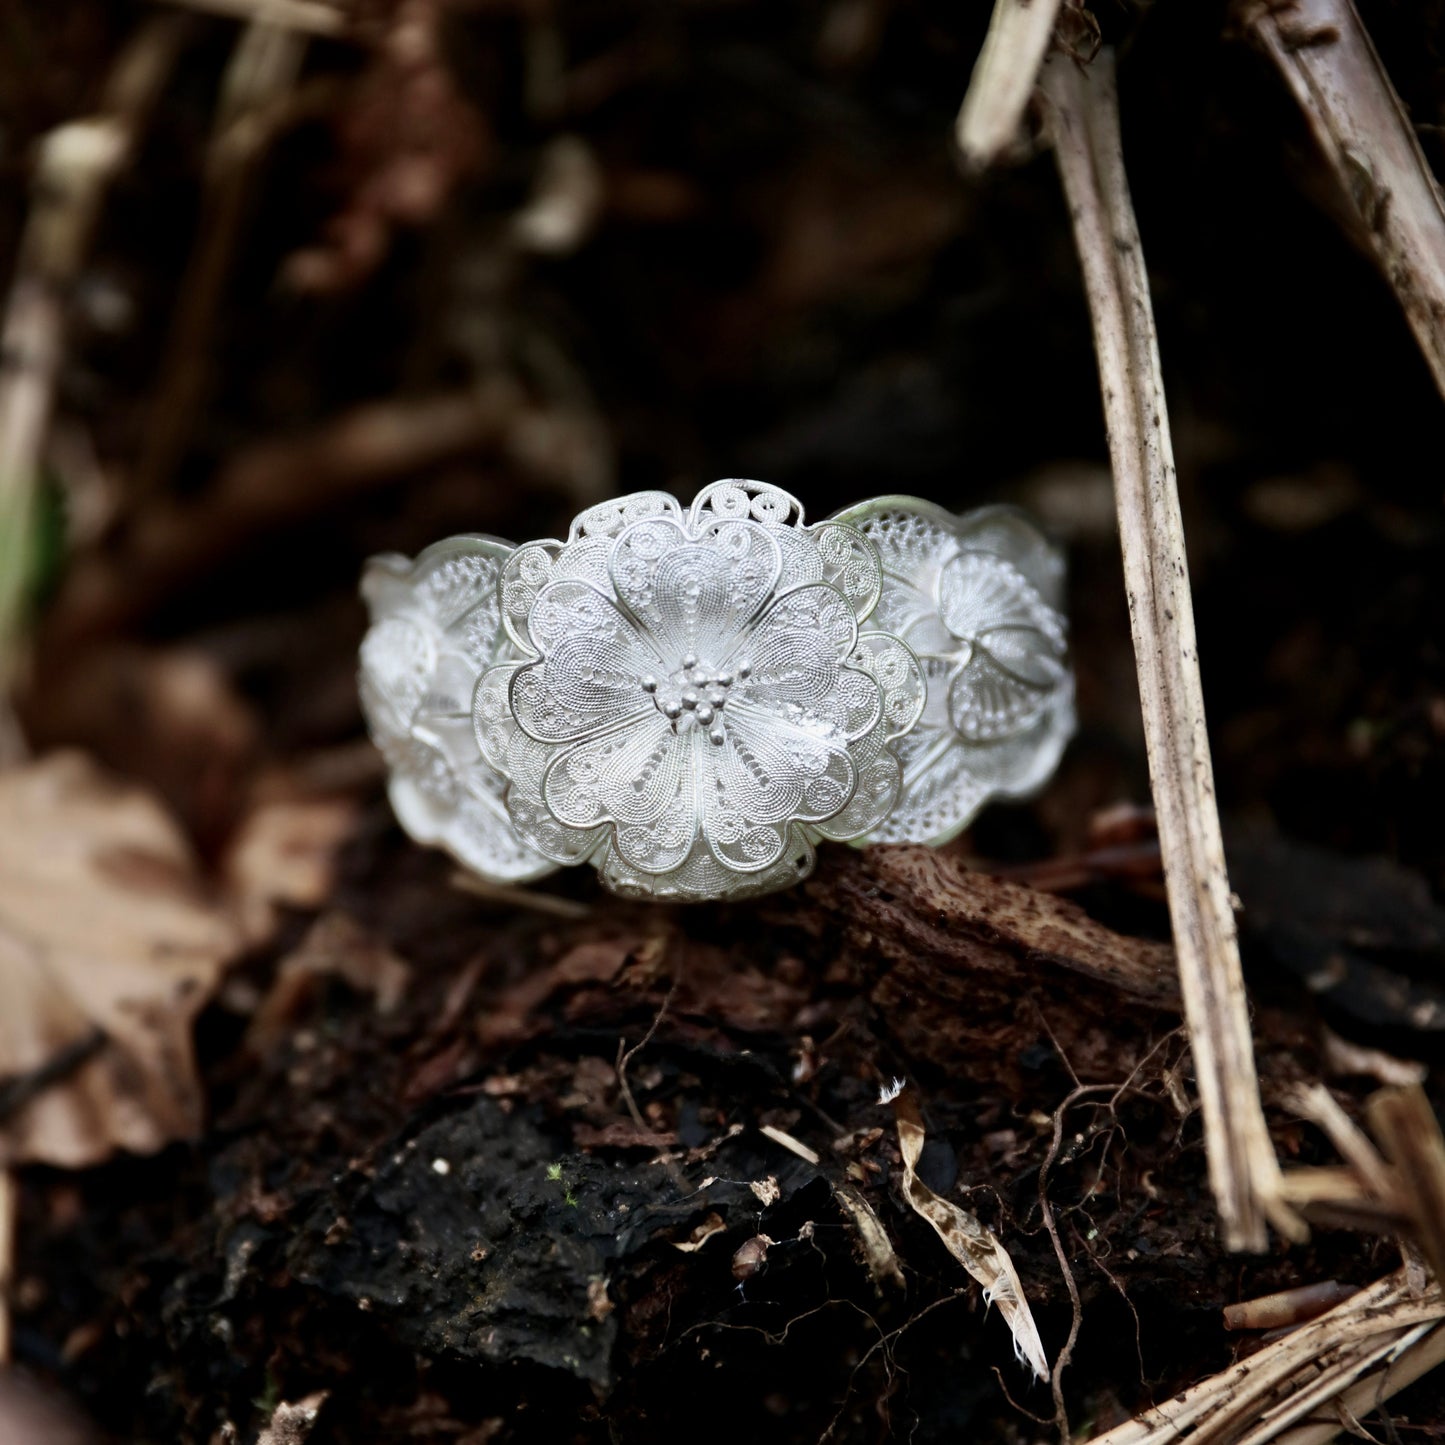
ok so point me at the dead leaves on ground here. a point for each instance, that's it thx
(109, 947)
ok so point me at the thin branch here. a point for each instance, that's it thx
(259, 101)
(1082, 112)
(76, 163)
(1324, 56)
(307, 16)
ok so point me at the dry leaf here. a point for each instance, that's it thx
(766, 1190)
(701, 1234)
(970, 1242)
(878, 1251)
(108, 950)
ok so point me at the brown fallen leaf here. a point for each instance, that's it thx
(108, 950)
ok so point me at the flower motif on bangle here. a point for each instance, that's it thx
(435, 625)
(693, 703)
(978, 598)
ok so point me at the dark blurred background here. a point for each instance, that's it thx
(550, 252)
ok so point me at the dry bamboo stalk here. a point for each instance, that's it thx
(1324, 55)
(1263, 1396)
(1003, 78)
(1368, 1394)
(1082, 112)
(1406, 1127)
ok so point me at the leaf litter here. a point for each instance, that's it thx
(109, 948)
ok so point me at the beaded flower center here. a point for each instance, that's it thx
(695, 695)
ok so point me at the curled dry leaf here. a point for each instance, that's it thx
(108, 949)
(701, 1233)
(970, 1242)
(877, 1248)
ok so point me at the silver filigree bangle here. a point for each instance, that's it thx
(691, 700)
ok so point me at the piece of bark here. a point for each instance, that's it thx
(925, 908)
(973, 972)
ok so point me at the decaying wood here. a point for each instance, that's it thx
(916, 906)
(1325, 57)
(971, 971)
(1290, 1380)
(1003, 78)
(1082, 114)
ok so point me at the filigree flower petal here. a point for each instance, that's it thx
(626, 776)
(694, 597)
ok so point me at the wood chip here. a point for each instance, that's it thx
(795, 1146)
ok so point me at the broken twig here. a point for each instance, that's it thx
(1324, 55)
(1003, 78)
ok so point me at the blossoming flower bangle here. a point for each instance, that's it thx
(691, 700)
